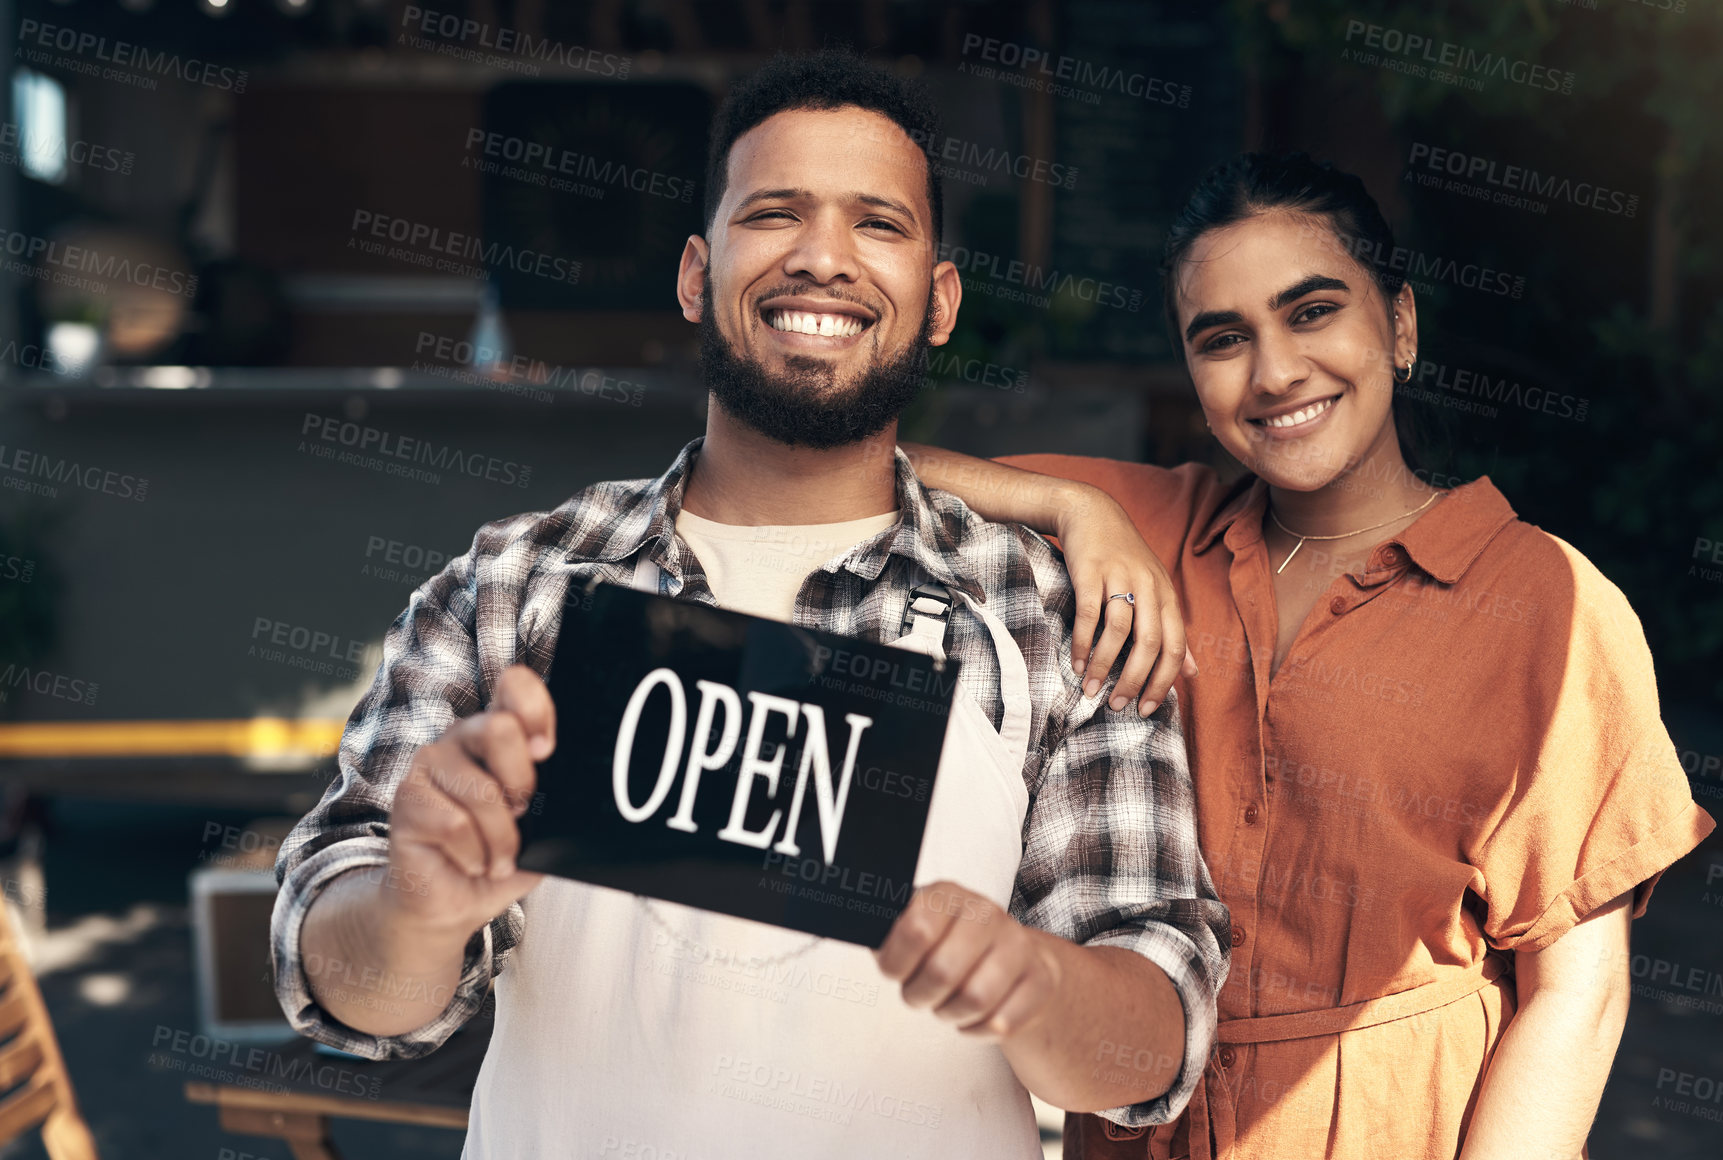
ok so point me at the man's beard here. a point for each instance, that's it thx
(806, 406)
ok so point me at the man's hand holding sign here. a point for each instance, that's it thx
(974, 966)
(453, 827)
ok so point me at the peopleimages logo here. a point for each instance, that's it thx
(1496, 389)
(494, 369)
(942, 365)
(23, 468)
(1422, 269)
(204, 1056)
(37, 42)
(1066, 76)
(46, 684)
(68, 262)
(1508, 181)
(391, 453)
(989, 159)
(1022, 280)
(16, 142)
(1423, 56)
(539, 164)
(493, 44)
(449, 251)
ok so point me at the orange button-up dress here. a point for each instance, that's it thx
(1461, 755)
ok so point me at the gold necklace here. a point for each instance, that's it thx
(1343, 535)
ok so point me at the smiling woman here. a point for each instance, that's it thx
(1258, 219)
(1426, 746)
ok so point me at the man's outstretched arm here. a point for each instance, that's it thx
(382, 947)
(363, 924)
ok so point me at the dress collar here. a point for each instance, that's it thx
(1443, 542)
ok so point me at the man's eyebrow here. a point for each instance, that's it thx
(897, 207)
(792, 194)
(773, 195)
(1308, 285)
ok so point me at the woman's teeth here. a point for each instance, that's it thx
(802, 322)
(1300, 416)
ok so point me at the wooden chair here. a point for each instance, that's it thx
(35, 1091)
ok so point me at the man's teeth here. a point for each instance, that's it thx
(1298, 417)
(802, 322)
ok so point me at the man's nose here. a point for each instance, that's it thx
(824, 252)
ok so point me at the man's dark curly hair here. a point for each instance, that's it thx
(828, 79)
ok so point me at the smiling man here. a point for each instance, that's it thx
(1064, 936)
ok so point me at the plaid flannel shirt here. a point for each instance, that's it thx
(1110, 853)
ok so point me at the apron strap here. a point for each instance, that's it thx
(646, 574)
(926, 616)
(1015, 722)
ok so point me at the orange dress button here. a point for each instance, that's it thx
(1250, 815)
(1337, 605)
(1238, 936)
(1228, 1057)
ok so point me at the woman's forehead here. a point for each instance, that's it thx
(1248, 262)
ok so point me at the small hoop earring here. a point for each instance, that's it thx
(1407, 377)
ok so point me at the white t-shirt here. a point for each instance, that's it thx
(629, 1027)
(760, 569)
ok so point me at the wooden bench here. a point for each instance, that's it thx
(291, 1104)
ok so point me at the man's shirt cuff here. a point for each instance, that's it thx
(1176, 955)
(298, 891)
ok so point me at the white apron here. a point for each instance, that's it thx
(642, 1029)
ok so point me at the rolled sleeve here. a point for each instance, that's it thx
(1164, 944)
(1600, 803)
(301, 888)
(1111, 859)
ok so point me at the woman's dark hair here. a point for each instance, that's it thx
(1255, 183)
(829, 79)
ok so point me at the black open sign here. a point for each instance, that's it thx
(737, 764)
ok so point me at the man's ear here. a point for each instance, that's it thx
(691, 276)
(947, 294)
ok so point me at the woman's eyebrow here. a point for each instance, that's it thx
(1292, 293)
(1210, 318)
(1305, 286)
